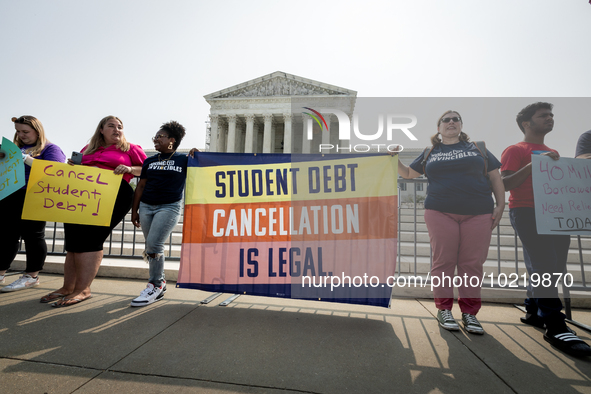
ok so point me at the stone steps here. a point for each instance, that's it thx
(128, 235)
(116, 249)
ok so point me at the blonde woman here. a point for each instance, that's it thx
(107, 149)
(30, 138)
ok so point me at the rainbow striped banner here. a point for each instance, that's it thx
(318, 227)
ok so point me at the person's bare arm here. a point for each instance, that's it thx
(406, 172)
(123, 169)
(139, 190)
(512, 179)
(499, 193)
(403, 170)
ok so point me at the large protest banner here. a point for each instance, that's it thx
(300, 226)
(562, 195)
(12, 169)
(59, 192)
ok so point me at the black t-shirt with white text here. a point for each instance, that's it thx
(165, 178)
(456, 179)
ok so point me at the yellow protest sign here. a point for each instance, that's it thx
(59, 192)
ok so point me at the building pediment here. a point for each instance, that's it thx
(280, 84)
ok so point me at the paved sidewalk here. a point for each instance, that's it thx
(268, 345)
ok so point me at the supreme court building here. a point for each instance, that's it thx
(270, 114)
(267, 115)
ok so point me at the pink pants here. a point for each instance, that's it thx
(458, 241)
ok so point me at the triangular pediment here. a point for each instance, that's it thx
(280, 84)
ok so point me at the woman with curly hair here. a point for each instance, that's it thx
(157, 204)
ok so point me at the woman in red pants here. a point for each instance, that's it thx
(460, 215)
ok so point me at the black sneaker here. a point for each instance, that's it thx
(568, 343)
(446, 320)
(537, 321)
(533, 320)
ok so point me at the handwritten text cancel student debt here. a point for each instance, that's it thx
(59, 192)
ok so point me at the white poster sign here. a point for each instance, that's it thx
(562, 195)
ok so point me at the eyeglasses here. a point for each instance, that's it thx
(455, 119)
(158, 136)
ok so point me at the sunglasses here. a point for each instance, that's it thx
(455, 119)
(21, 119)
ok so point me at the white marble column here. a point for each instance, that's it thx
(306, 128)
(326, 133)
(273, 135)
(213, 137)
(334, 136)
(287, 133)
(267, 133)
(222, 131)
(231, 133)
(249, 140)
(258, 141)
(240, 136)
(345, 143)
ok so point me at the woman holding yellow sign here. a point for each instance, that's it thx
(30, 138)
(108, 149)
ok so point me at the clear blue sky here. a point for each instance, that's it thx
(72, 62)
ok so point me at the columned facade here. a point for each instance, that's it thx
(269, 115)
(250, 136)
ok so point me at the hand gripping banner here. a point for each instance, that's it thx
(320, 227)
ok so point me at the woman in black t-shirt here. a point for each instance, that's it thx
(157, 204)
(460, 215)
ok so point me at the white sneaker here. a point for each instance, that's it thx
(149, 295)
(2, 279)
(24, 282)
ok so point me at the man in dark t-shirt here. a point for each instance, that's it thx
(584, 146)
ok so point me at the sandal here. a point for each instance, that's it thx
(568, 343)
(70, 301)
(51, 297)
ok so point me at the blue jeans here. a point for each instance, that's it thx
(543, 254)
(157, 223)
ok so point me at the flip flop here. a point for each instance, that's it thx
(51, 297)
(71, 301)
(568, 343)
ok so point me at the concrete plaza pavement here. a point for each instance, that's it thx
(268, 345)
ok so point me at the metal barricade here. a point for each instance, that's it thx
(117, 247)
